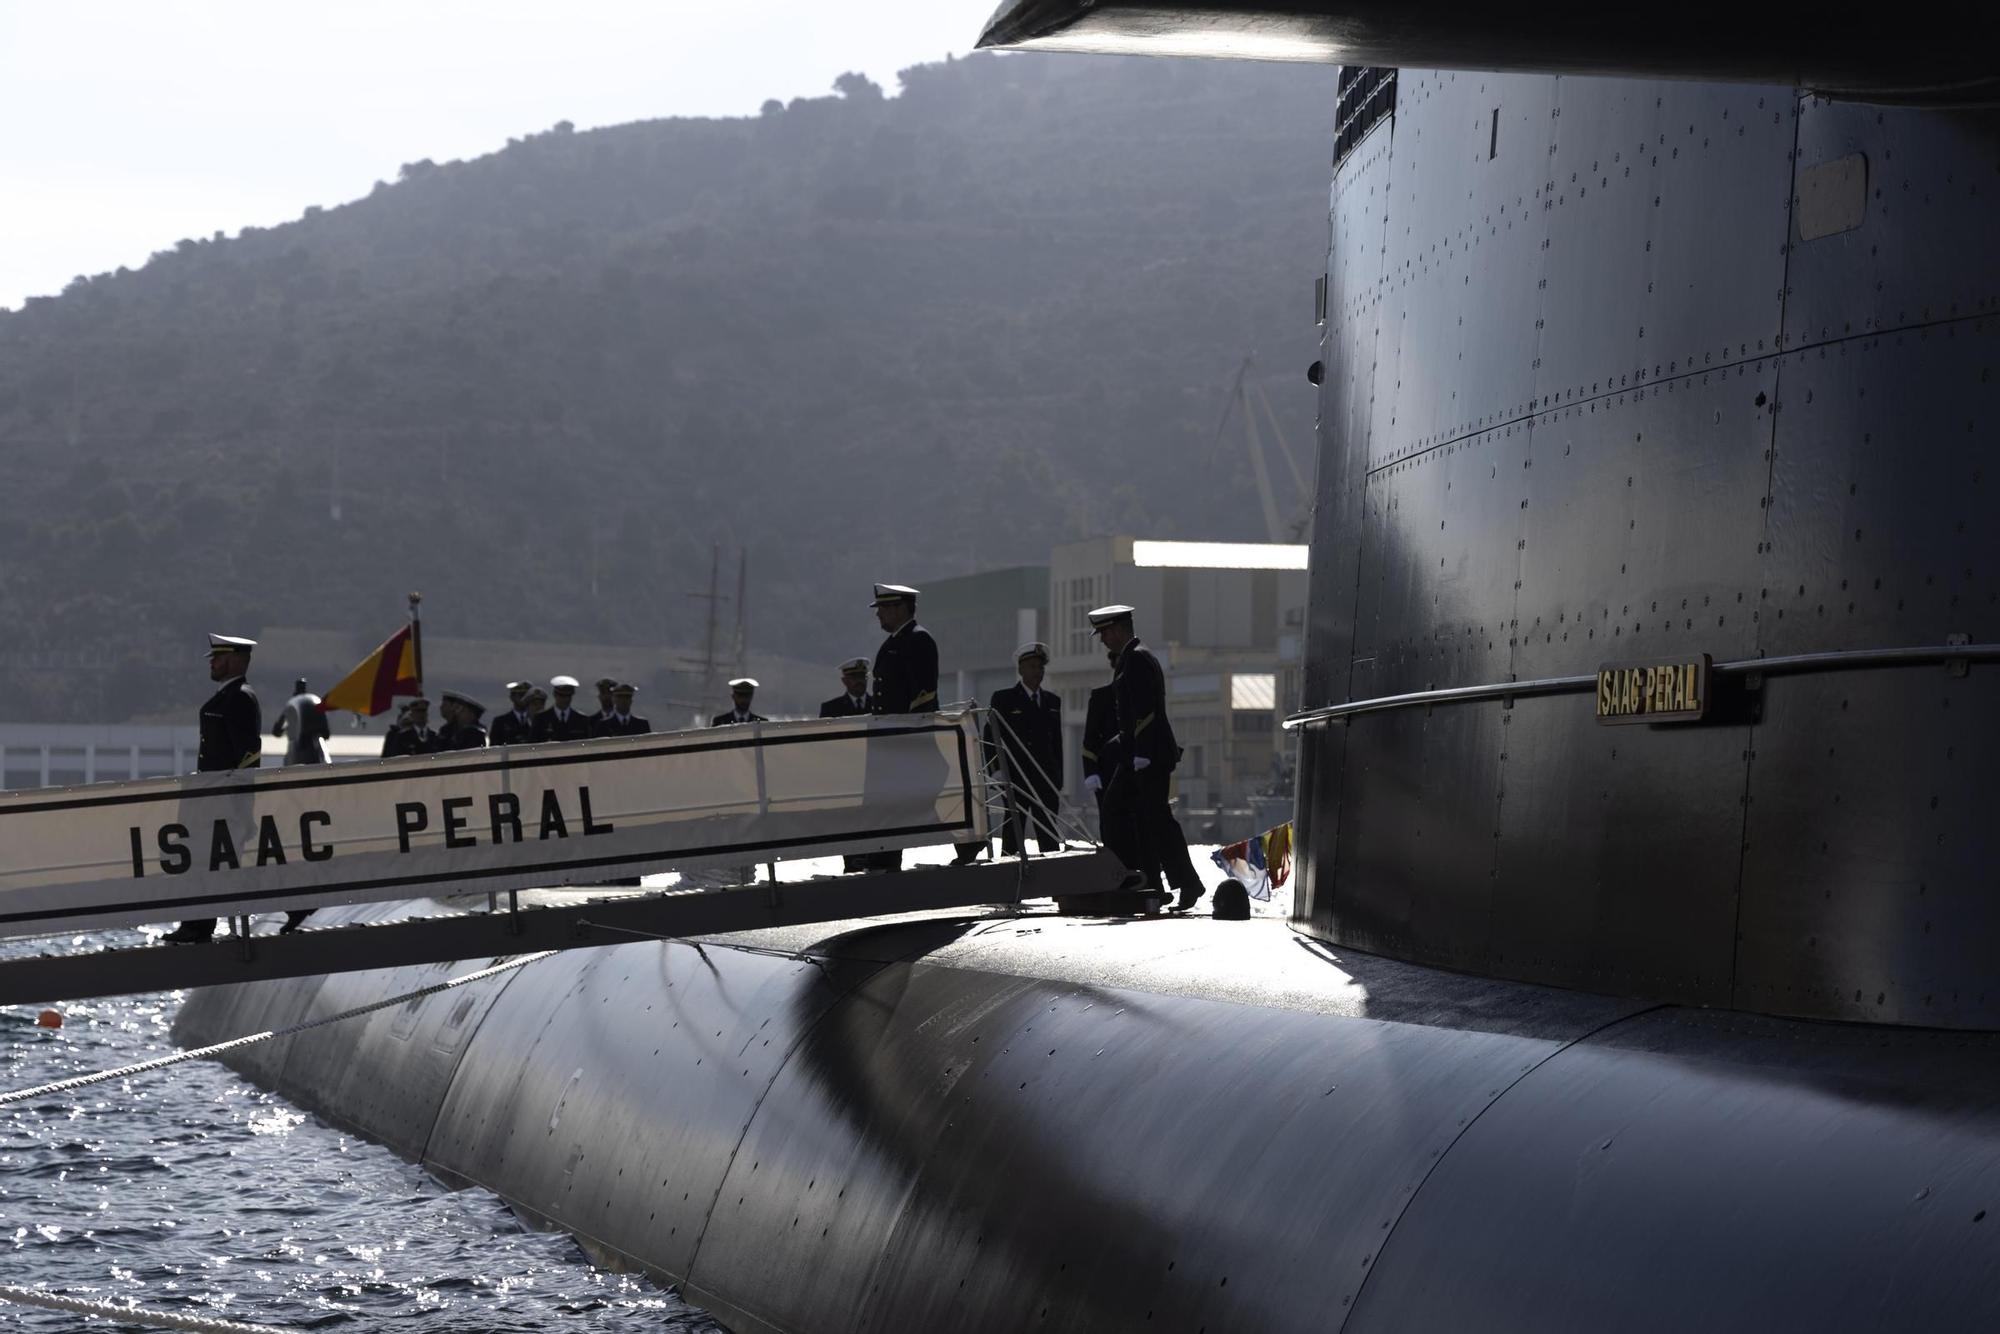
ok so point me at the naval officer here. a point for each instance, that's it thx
(462, 729)
(517, 725)
(622, 722)
(906, 666)
(854, 699)
(562, 720)
(1024, 734)
(232, 737)
(604, 709)
(412, 734)
(741, 691)
(1139, 825)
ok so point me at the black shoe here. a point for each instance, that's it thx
(294, 919)
(190, 933)
(1186, 901)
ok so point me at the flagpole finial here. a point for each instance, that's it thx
(415, 598)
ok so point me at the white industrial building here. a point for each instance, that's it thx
(1228, 622)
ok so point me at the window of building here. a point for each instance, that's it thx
(1254, 690)
(1174, 608)
(1082, 597)
(1187, 687)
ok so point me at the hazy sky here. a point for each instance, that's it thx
(126, 125)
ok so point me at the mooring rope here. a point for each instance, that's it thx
(131, 1315)
(216, 1048)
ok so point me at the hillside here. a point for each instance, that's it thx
(864, 336)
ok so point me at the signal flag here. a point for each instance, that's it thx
(391, 670)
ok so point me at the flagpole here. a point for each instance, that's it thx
(417, 638)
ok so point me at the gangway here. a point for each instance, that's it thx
(610, 920)
(494, 823)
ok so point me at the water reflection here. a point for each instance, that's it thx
(188, 1189)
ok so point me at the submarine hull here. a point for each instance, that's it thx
(1646, 374)
(1182, 1125)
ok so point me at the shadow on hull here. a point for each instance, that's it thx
(1100, 1136)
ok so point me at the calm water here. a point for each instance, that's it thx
(191, 1189)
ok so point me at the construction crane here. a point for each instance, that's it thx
(1245, 401)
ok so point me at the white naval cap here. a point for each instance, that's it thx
(1034, 650)
(854, 665)
(1104, 616)
(562, 683)
(229, 644)
(893, 593)
(744, 683)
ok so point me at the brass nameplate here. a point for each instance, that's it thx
(1653, 692)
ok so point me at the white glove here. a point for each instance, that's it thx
(1091, 782)
(1140, 764)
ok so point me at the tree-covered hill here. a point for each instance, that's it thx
(864, 336)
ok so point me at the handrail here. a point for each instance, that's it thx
(1834, 660)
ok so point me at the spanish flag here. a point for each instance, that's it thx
(394, 669)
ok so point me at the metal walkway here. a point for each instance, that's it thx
(602, 921)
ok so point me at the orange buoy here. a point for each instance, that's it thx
(49, 1019)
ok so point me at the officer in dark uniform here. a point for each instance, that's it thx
(516, 726)
(412, 734)
(622, 722)
(906, 680)
(232, 737)
(462, 729)
(906, 666)
(604, 709)
(562, 720)
(854, 699)
(1139, 824)
(1024, 737)
(741, 691)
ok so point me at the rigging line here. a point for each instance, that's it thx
(796, 956)
(216, 1048)
(129, 1315)
(1063, 811)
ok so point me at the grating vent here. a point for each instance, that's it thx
(1367, 93)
